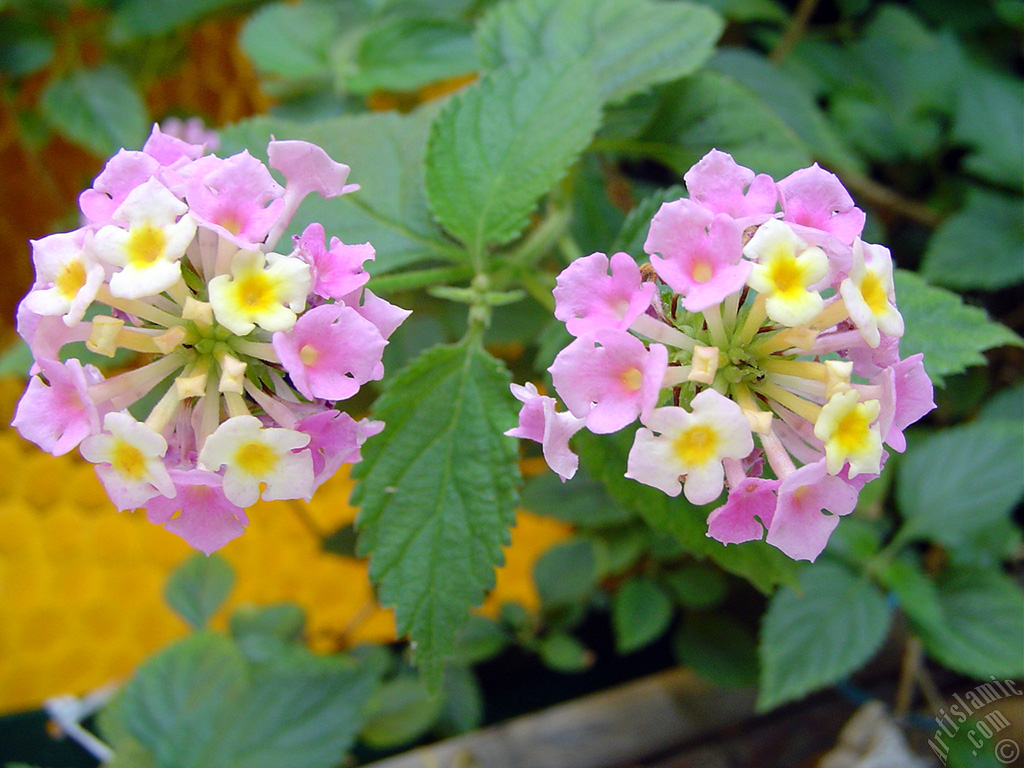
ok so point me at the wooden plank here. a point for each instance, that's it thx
(632, 722)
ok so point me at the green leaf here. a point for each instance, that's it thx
(916, 592)
(579, 501)
(641, 612)
(619, 548)
(567, 573)
(198, 587)
(16, 360)
(175, 702)
(954, 482)
(199, 703)
(27, 47)
(480, 639)
(696, 586)
(630, 45)
(400, 712)
(1007, 405)
(386, 152)
(437, 493)
(952, 335)
(500, 145)
(990, 120)
(463, 709)
(983, 630)
(98, 108)
(143, 18)
(712, 111)
(263, 633)
(793, 103)
(564, 653)
(718, 647)
(819, 634)
(299, 710)
(406, 53)
(292, 40)
(979, 246)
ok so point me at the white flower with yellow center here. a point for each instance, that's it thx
(785, 273)
(265, 290)
(870, 294)
(259, 461)
(691, 446)
(129, 459)
(149, 246)
(67, 277)
(850, 432)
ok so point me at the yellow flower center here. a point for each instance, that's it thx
(873, 291)
(696, 446)
(309, 354)
(70, 280)
(632, 379)
(786, 274)
(852, 429)
(146, 245)
(256, 458)
(255, 291)
(128, 460)
(702, 272)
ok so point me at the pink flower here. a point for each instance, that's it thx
(59, 415)
(539, 421)
(123, 172)
(736, 521)
(816, 199)
(239, 200)
(913, 394)
(799, 528)
(721, 185)
(337, 271)
(335, 438)
(703, 253)
(609, 378)
(207, 520)
(330, 352)
(588, 298)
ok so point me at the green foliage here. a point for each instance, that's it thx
(198, 588)
(500, 145)
(98, 108)
(814, 636)
(988, 230)
(718, 647)
(262, 633)
(629, 45)
(567, 573)
(200, 703)
(951, 334)
(438, 481)
(564, 653)
(406, 53)
(390, 209)
(579, 501)
(709, 109)
(955, 482)
(696, 586)
(291, 40)
(401, 711)
(641, 612)
(982, 632)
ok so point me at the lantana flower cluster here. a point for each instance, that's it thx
(759, 350)
(240, 351)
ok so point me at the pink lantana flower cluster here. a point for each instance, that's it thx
(759, 350)
(241, 350)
